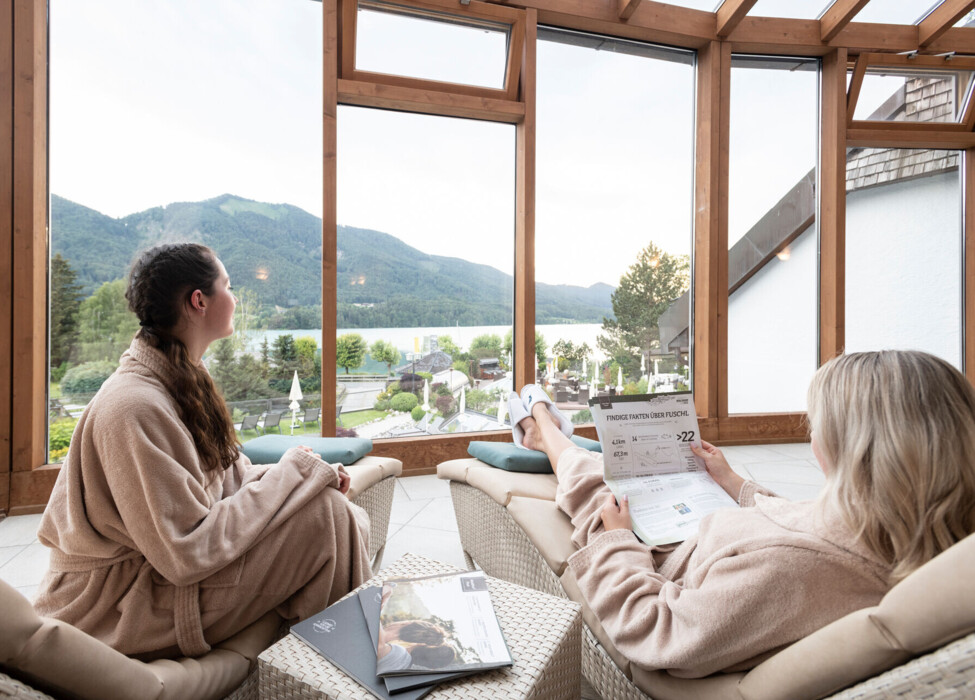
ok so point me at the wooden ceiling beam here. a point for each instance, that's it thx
(627, 8)
(730, 13)
(941, 19)
(840, 14)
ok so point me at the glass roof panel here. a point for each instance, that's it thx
(706, 5)
(967, 19)
(896, 11)
(793, 9)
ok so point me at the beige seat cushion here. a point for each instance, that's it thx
(547, 527)
(932, 606)
(370, 470)
(56, 657)
(499, 484)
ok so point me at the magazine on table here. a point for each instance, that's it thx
(443, 623)
(370, 599)
(646, 441)
(339, 634)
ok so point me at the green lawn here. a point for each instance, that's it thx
(349, 420)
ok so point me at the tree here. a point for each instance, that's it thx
(239, 378)
(284, 359)
(305, 348)
(386, 353)
(265, 363)
(106, 325)
(447, 345)
(350, 351)
(487, 345)
(645, 291)
(65, 304)
(540, 346)
(570, 355)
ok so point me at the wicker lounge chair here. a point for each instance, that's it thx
(918, 642)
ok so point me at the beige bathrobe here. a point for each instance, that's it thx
(753, 580)
(156, 557)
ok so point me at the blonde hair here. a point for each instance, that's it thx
(898, 431)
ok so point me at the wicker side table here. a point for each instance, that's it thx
(542, 631)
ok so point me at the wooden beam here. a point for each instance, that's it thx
(730, 13)
(941, 19)
(832, 208)
(839, 14)
(890, 138)
(747, 429)
(969, 274)
(627, 8)
(856, 82)
(711, 229)
(6, 243)
(346, 38)
(523, 348)
(516, 49)
(406, 99)
(331, 57)
(30, 256)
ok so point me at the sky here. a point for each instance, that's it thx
(157, 102)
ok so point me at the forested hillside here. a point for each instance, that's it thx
(274, 250)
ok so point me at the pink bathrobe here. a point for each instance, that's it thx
(753, 580)
(156, 557)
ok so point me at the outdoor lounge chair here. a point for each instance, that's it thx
(312, 415)
(271, 420)
(919, 641)
(248, 423)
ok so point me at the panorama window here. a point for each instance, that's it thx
(186, 121)
(614, 212)
(772, 234)
(425, 273)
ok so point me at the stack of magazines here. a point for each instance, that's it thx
(402, 639)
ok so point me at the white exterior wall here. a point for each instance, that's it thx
(903, 290)
(904, 267)
(772, 333)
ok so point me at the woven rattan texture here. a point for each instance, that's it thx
(542, 632)
(946, 673)
(12, 688)
(491, 537)
(246, 690)
(377, 500)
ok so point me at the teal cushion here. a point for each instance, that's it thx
(269, 448)
(510, 457)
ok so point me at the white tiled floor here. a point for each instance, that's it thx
(422, 518)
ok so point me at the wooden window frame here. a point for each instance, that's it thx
(25, 479)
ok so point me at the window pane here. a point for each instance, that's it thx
(916, 96)
(183, 121)
(614, 215)
(434, 47)
(425, 272)
(773, 247)
(904, 251)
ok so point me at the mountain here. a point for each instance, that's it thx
(276, 251)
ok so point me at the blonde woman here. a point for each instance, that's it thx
(894, 433)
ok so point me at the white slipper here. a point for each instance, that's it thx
(516, 414)
(532, 394)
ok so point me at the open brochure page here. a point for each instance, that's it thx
(646, 443)
(439, 623)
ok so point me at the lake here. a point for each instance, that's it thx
(404, 338)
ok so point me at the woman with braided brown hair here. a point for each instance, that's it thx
(165, 539)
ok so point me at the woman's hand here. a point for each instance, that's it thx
(345, 481)
(719, 469)
(616, 517)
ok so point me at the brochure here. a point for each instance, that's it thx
(339, 634)
(369, 599)
(439, 624)
(646, 443)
